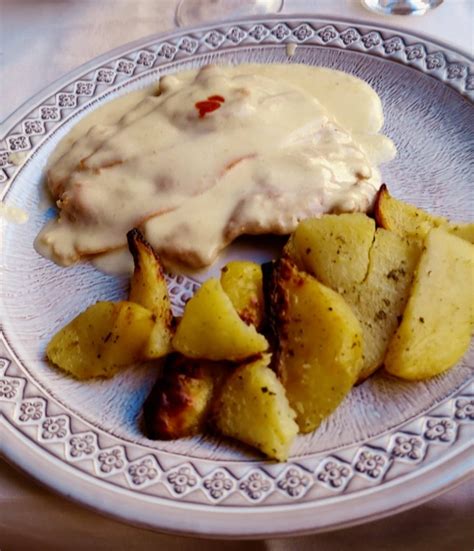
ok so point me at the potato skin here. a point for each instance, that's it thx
(319, 343)
(407, 220)
(148, 288)
(181, 399)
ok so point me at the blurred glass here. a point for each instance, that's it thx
(401, 7)
(193, 12)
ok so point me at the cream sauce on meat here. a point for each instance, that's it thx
(214, 154)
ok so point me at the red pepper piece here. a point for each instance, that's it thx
(205, 107)
(216, 98)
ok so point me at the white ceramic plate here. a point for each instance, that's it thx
(390, 445)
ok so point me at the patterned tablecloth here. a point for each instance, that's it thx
(40, 40)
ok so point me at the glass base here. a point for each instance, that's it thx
(401, 7)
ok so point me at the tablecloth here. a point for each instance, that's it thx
(40, 40)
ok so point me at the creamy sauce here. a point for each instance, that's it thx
(214, 154)
(13, 214)
(115, 262)
(17, 158)
(291, 49)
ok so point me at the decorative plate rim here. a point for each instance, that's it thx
(439, 478)
(435, 442)
(5, 123)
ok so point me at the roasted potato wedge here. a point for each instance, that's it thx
(334, 248)
(405, 219)
(439, 316)
(211, 328)
(242, 282)
(101, 340)
(320, 343)
(252, 407)
(77, 346)
(379, 301)
(148, 288)
(377, 290)
(180, 401)
(128, 338)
